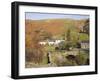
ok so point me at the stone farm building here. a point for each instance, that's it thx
(84, 44)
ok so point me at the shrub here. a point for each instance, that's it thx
(80, 59)
(65, 45)
(34, 55)
(28, 55)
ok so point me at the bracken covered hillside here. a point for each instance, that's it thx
(54, 26)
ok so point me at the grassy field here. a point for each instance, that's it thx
(83, 36)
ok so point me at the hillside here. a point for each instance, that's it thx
(54, 26)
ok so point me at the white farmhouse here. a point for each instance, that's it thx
(58, 41)
(51, 42)
(42, 43)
